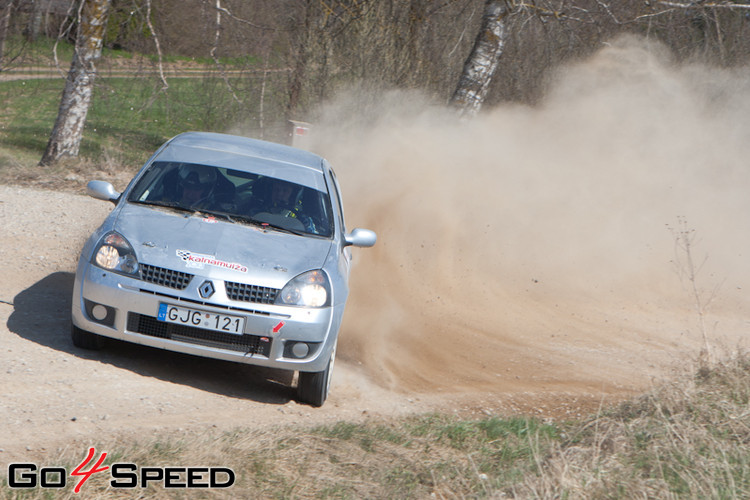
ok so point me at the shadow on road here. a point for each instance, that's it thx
(41, 314)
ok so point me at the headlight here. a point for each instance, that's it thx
(114, 253)
(310, 289)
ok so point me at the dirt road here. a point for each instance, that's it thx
(55, 395)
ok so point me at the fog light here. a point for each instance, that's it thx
(300, 349)
(99, 312)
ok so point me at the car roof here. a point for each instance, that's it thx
(247, 155)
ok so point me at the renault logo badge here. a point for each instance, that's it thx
(206, 289)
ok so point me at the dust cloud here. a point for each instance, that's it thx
(533, 248)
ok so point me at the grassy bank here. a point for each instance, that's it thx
(129, 118)
(685, 439)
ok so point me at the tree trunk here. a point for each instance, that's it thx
(65, 139)
(300, 54)
(35, 21)
(7, 7)
(481, 64)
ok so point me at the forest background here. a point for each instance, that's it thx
(262, 63)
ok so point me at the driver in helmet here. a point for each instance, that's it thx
(282, 201)
(196, 185)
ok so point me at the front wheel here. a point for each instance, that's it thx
(85, 340)
(312, 387)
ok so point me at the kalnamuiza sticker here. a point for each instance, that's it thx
(199, 261)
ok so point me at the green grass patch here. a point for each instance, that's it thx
(128, 118)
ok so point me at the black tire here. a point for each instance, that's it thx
(84, 339)
(312, 387)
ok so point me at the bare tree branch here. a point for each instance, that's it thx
(243, 21)
(705, 5)
(219, 10)
(673, 7)
(65, 31)
(164, 84)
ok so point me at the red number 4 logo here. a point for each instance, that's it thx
(86, 474)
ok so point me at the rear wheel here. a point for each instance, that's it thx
(85, 340)
(312, 387)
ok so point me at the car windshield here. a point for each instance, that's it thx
(237, 196)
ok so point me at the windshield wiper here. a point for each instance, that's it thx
(248, 220)
(224, 215)
(263, 224)
(282, 228)
(168, 204)
(183, 208)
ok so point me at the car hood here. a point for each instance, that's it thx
(218, 249)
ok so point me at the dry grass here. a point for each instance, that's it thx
(685, 439)
(67, 175)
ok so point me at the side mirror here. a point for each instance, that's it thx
(102, 190)
(361, 238)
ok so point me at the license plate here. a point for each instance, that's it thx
(201, 319)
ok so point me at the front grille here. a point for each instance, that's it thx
(248, 344)
(251, 293)
(205, 303)
(165, 277)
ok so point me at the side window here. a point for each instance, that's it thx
(336, 192)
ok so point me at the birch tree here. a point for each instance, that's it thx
(67, 132)
(483, 60)
(577, 18)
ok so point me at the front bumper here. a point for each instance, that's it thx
(268, 338)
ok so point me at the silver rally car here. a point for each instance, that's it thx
(223, 247)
